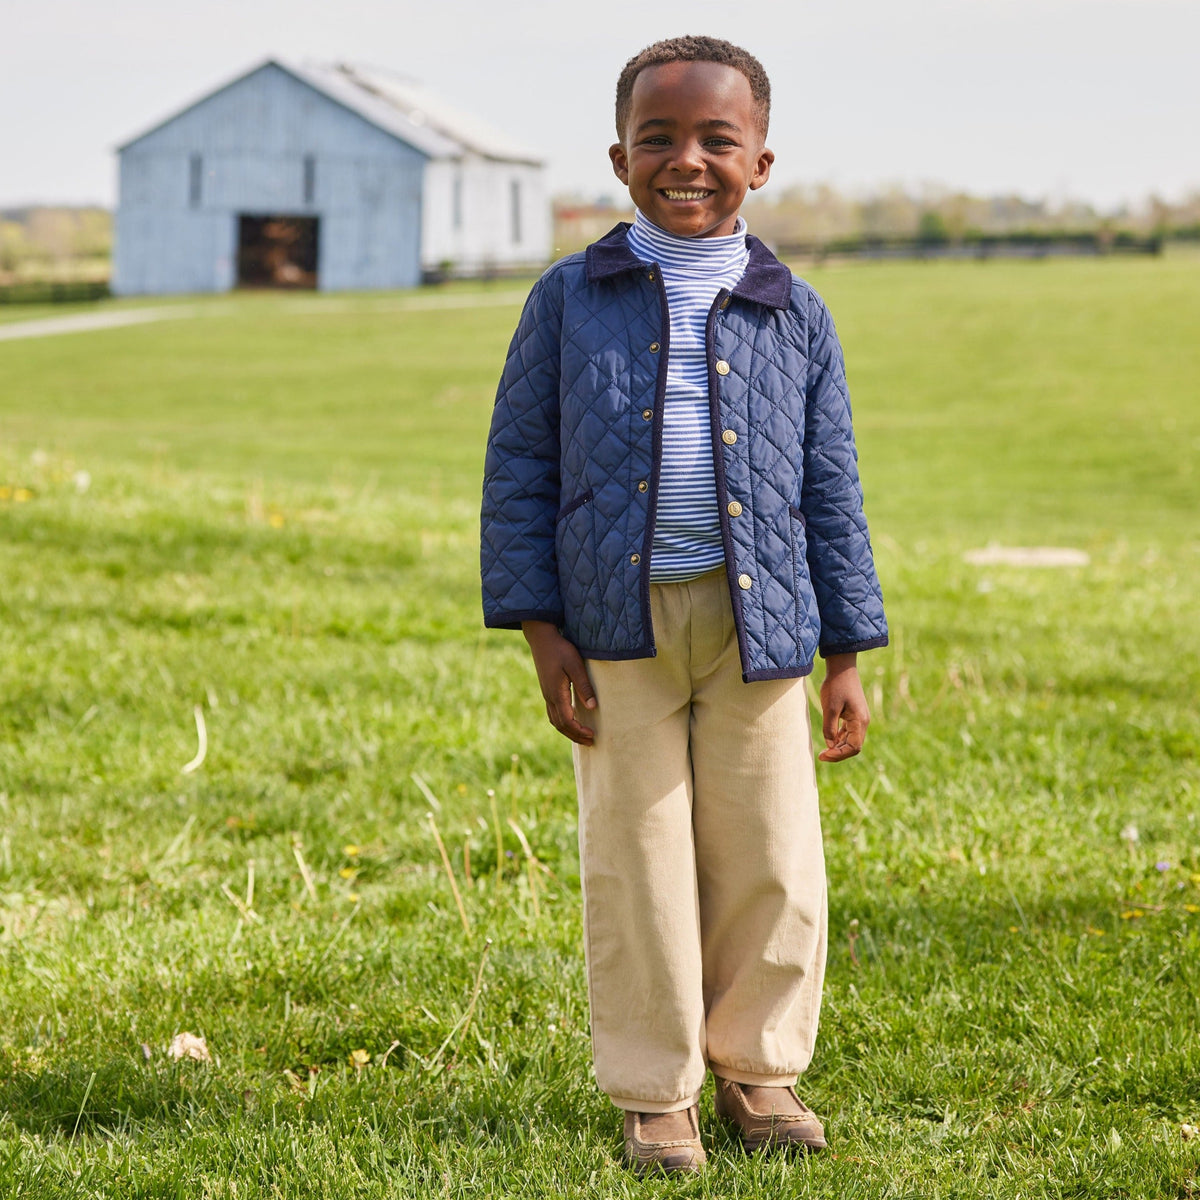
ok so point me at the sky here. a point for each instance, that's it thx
(1093, 100)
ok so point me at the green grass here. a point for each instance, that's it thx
(277, 525)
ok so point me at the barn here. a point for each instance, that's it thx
(334, 177)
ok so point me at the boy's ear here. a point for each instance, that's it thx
(762, 169)
(620, 162)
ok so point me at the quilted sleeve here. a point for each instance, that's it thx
(521, 472)
(839, 548)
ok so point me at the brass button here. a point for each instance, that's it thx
(653, 347)
(650, 276)
(722, 367)
(745, 582)
(729, 437)
(647, 413)
(733, 508)
(725, 302)
(642, 485)
(635, 559)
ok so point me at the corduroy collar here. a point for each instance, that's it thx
(766, 280)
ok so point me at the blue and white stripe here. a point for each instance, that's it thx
(687, 531)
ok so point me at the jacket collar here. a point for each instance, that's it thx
(766, 280)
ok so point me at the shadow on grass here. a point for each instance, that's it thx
(77, 1097)
(941, 984)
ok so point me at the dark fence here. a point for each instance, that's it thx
(978, 246)
(54, 292)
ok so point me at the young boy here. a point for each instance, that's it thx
(672, 515)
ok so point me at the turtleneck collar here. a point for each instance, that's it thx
(765, 281)
(709, 253)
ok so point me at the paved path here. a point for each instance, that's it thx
(86, 322)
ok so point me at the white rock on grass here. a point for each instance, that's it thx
(1027, 556)
(188, 1045)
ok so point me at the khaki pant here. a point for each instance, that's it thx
(703, 873)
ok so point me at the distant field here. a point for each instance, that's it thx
(267, 513)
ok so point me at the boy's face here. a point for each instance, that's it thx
(692, 147)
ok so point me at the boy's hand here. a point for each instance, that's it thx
(843, 708)
(560, 669)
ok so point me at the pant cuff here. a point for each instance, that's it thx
(755, 1078)
(630, 1104)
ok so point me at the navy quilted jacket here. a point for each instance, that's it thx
(572, 466)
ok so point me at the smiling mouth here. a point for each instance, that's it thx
(685, 193)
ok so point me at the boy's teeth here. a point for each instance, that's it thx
(681, 194)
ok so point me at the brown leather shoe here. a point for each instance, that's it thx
(774, 1117)
(668, 1142)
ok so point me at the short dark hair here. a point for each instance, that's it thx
(696, 49)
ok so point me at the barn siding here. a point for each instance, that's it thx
(484, 238)
(252, 138)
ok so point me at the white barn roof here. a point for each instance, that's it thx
(418, 107)
(401, 107)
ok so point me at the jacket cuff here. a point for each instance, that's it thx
(512, 620)
(854, 647)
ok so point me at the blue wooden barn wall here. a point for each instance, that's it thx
(252, 138)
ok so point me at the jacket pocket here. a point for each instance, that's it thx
(578, 570)
(807, 620)
(571, 505)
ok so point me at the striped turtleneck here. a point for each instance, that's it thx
(687, 530)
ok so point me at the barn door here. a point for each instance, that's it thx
(277, 251)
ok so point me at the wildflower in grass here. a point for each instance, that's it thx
(1191, 908)
(1195, 878)
(348, 872)
(275, 520)
(351, 851)
(1130, 834)
(852, 936)
(359, 1059)
(22, 494)
(1094, 931)
(1162, 865)
(1132, 914)
(82, 481)
(5, 492)
(353, 897)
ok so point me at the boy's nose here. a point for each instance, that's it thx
(688, 158)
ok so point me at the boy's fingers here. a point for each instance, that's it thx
(846, 742)
(839, 751)
(570, 728)
(585, 694)
(564, 711)
(561, 712)
(579, 734)
(837, 754)
(560, 668)
(829, 727)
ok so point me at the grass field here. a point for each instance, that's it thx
(267, 514)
